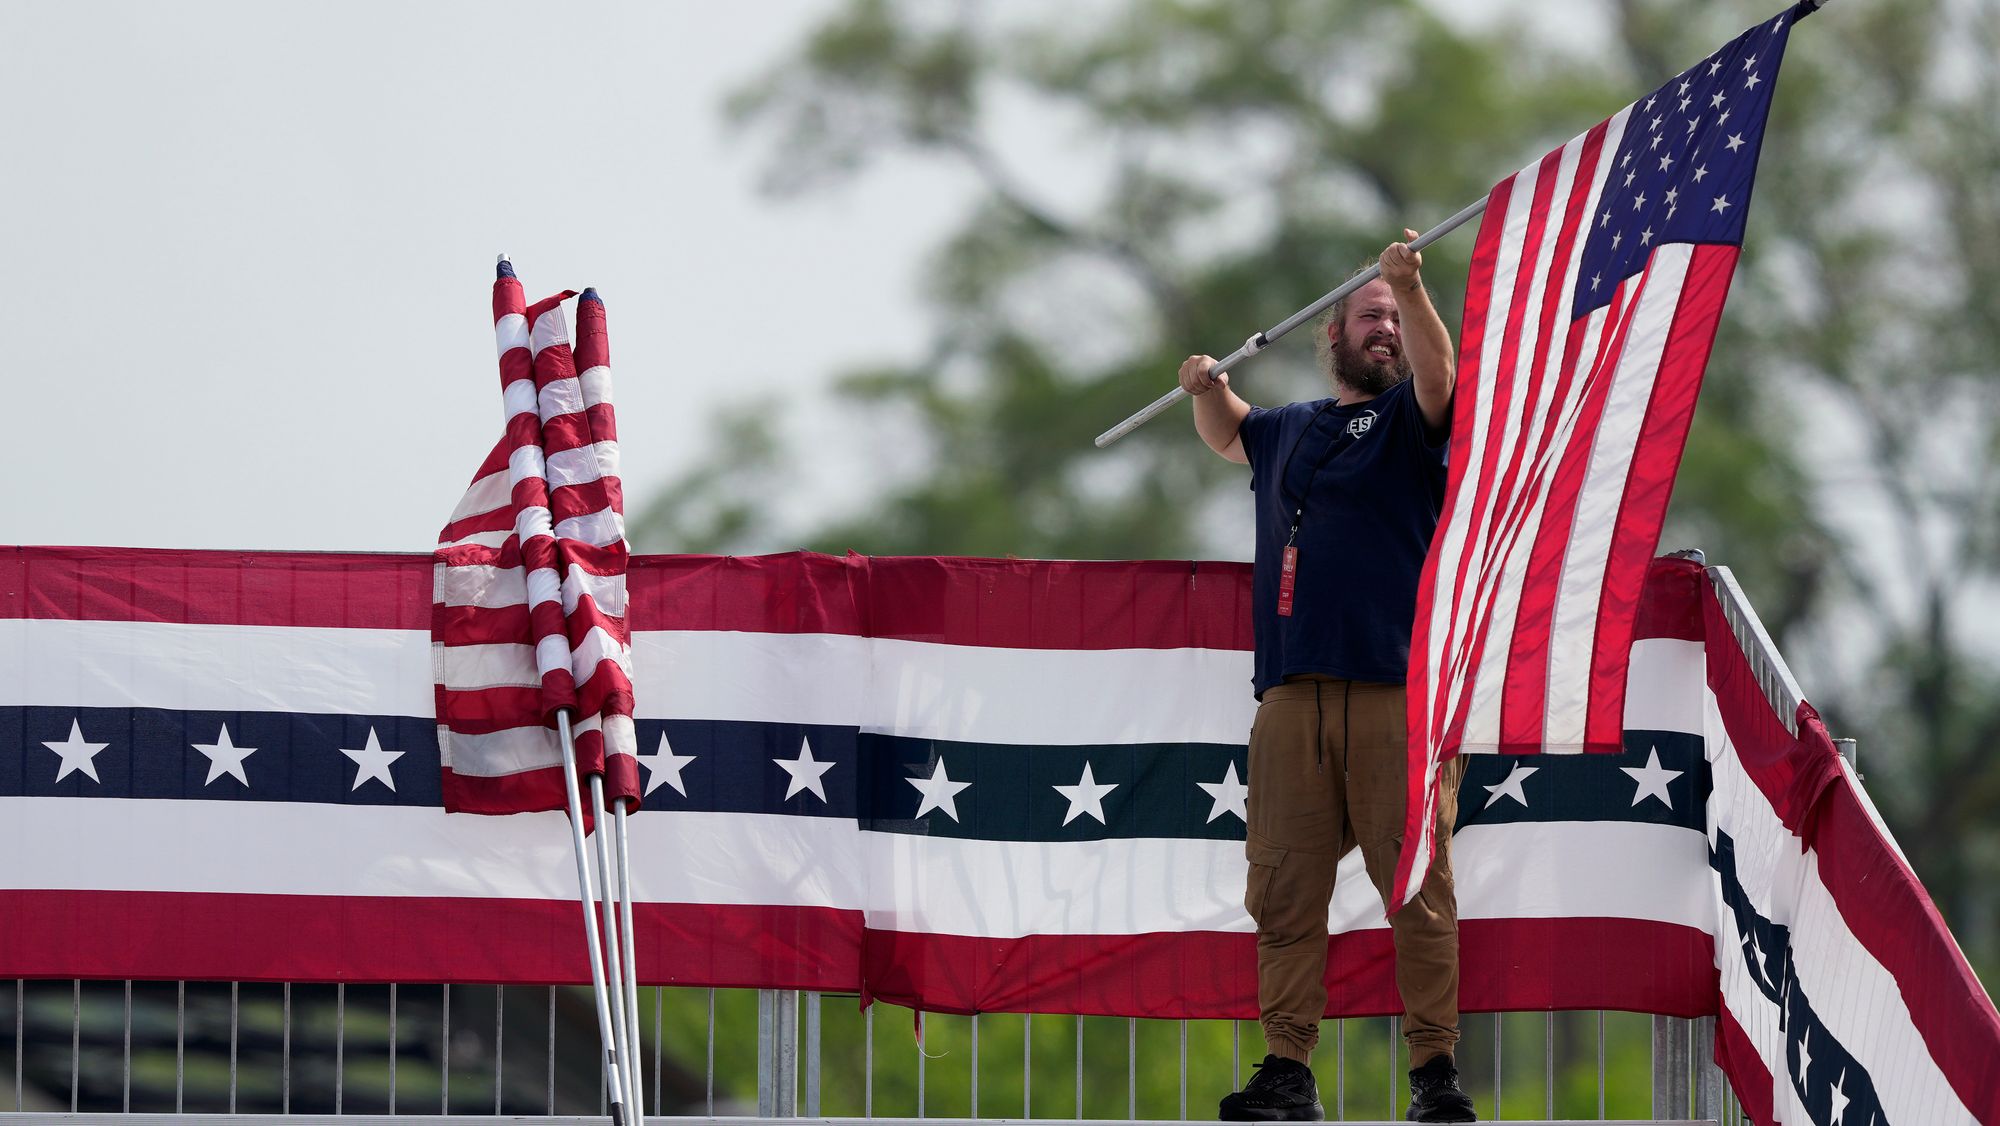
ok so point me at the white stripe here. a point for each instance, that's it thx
(549, 329)
(578, 466)
(91, 664)
(490, 492)
(598, 646)
(1664, 685)
(596, 384)
(498, 754)
(543, 586)
(621, 736)
(1857, 999)
(518, 398)
(475, 584)
(559, 397)
(496, 665)
(601, 528)
(525, 464)
(551, 655)
(1001, 889)
(1573, 625)
(531, 522)
(510, 332)
(495, 539)
(608, 591)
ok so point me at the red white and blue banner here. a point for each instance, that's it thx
(1596, 285)
(992, 785)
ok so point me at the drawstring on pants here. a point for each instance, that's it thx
(1319, 732)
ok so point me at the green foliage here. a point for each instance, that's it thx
(1845, 459)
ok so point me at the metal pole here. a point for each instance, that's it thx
(499, 1045)
(588, 897)
(392, 1047)
(1708, 1077)
(1670, 1069)
(1548, 1065)
(1259, 341)
(127, 1102)
(975, 1068)
(623, 843)
(1027, 1064)
(614, 976)
(812, 1059)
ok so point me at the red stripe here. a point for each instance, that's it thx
(1881, 901)
(507, 297)
(481, 625)
(1748, 1076)
(593, 341)
(335, 589)
(569, 501)
(588, 616)
(581, 428)
(1656, 457)
(216, 937)
(499, 519)
(608, 560)
(1506, 965)
(508, 554)
(482, 711)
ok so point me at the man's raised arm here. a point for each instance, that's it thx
(1426, 342)
(1218, 413)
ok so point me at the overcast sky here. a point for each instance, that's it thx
(246, 252)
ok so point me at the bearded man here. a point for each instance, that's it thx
(1347, 492)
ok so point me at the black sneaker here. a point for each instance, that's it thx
(1434, 1094)
(1282, 1091)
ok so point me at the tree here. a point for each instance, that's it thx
(1245, 157)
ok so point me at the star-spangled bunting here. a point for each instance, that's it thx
(225, 757)
(372, 763)
(1652, 779)
(1510, 787)
(1229, 794)
(77, 755)
(663, 767)
(939, 791)
(805, 771)
(1086, 798)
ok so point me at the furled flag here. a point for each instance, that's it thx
(529, 578)
(1596, 285)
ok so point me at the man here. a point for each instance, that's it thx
(1347, 492)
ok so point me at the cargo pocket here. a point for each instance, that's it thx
(1264, 862)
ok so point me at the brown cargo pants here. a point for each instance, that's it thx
(1328, 762)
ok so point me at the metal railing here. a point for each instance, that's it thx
(91, 1049)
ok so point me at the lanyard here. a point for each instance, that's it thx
(1333, 446)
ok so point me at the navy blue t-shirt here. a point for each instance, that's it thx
(1369, 512)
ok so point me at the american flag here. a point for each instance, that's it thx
(1596, 286)
(529, 576)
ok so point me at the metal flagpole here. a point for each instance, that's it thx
(1259, 341)
(623, 842)
(613, 976)
(614, 1084)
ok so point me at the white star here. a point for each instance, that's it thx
(1840, 1099)
(1700, 172)
(1629, 177)
(1685, 83)
(1646, 237)
(1639, 202)
(1656, 122)
(1656, 141)
(1511, 787)
(1751, 82)
(1666, 162)
(1716, 101)
(664, 767)
(1693, 124)
(1723, 119)
(371, 761)
(1721, 205)
(1606, 221)
(1594, 279)
(1087, 796)
(1777, 25)
(225, 757)
(1735, 142)
(1685, 102)
(1649, 103)
(1749, 62)
(77, 755)
(1652, 778)
(1805, 1059)
(1616, 238)
(1672, 195)
(1715, 66)
(1229, 795)
(1625, 160)
(806, 771)
(939, 791)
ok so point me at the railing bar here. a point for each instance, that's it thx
(444, 1051)
(1236, 1055)
(1079, 1065)
(552, 1052)
(1600, 1065)
(127, 1102)
(285, 1053)
(1027, 1065)
(1184, 1116)
(867, 1058)
(339, 1043)
(1132, 1068)
(659, 1010)
(20, 1034)
(1549, 1064)
(975, 1067)
(235, 1015)
(392, 1047)
(921, 1059)
(812, 1058)
(1395, 1042)
(180, 1045)
(75, 1037)
(499, 1043)
(1499, 1033)
(1339, 1068)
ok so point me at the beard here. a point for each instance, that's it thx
(1360, 372)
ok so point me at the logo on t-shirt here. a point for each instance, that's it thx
(1359, 424)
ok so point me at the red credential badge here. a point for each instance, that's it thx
(1288, 573)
